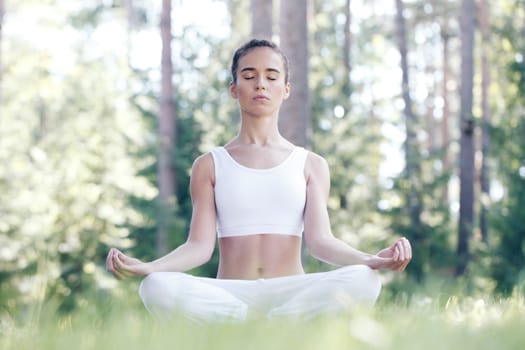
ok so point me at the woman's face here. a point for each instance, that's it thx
(260, 87)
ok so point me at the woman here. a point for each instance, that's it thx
(260, 195)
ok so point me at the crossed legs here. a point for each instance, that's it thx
(306, 296)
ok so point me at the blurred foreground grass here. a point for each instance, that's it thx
(441, 322)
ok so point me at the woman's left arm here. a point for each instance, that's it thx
(322, 244)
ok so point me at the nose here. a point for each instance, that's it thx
(260, 83)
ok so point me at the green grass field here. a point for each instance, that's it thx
(423, 323)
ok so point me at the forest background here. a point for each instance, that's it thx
(418, 106)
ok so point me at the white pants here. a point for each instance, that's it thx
(165, 294)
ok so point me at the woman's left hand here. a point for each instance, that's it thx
(397, 256)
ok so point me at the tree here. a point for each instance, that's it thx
(425, 221)
(445, 125)
(485, 110)
(295, 118)
(466, 121)
(167, 132)
(412, 171)
(262, 22)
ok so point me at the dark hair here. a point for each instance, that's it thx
(253, 44)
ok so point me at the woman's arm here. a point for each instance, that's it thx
(200, 244)
(318, 235)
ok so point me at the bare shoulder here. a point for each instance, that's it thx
(316, 167)
(203, 168)
(314, 159)
(203, 161)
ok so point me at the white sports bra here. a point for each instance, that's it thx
(259, 201)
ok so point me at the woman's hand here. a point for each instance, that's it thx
(396, 257)
(123, 266)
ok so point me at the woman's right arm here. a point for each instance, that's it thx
(200, 244)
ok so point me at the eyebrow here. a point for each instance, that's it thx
(249, 69)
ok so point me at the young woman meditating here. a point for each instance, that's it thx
(260, 195)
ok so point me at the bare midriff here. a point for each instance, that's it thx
(251, 257)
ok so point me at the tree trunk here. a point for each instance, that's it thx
(485, 137)
(445, 124)
(411, 167)
(262, 19)
(466, 161)
(295, 118)
(167, 117)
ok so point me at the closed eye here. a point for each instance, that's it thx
(248, 77)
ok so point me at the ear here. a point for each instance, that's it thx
(287, 91)
(233, 90)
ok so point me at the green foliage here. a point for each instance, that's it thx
(66, 139)
(508, 263)
(431, 240)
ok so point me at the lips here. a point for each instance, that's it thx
(260, 98)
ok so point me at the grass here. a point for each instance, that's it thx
(439, 322)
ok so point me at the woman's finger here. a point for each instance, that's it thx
(401, 247)
(109, 261)
(408, 248)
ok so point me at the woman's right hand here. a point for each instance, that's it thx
(123, 266)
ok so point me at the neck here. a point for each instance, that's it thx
(259, 131)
